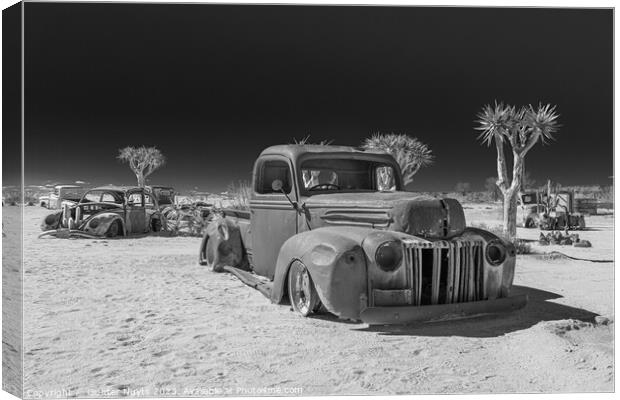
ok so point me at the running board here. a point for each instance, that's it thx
(252, 280)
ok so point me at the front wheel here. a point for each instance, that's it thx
(301, 290)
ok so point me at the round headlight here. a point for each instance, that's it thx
(389, 256)
(496, 253)
(94, 223)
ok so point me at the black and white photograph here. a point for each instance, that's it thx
(291, 200)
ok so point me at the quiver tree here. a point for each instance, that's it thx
(142, 160)
(409, 152)
(517, 131)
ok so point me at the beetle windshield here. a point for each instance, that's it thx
(336, 174)
(102, 196)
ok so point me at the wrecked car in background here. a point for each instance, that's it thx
(62, 194)
(107, 211)
(332, 225)
(551, 211)
(163, 194)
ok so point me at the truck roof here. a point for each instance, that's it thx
(294, 151)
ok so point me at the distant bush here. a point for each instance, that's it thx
(239, 195)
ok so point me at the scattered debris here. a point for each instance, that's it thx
(188, 219)
(557, 238)
(600, 320)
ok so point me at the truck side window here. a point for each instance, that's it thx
(271, 170)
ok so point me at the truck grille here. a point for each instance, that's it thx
(444, 272)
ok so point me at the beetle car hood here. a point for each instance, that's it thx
(407, 212)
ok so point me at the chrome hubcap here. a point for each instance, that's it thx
(302, 291)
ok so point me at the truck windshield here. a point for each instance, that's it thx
(346, 175)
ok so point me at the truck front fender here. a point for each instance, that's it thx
(336, 262)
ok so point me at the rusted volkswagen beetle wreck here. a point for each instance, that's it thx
(107, 211)
(332, 225)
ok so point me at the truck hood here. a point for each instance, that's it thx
(407, 212)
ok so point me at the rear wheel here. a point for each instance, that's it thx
(156, 225)
(114, 230)
(301, 290)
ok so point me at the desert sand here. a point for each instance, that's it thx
(140, 317)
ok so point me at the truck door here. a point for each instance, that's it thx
(272, 217)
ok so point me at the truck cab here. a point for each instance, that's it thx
(328, 173)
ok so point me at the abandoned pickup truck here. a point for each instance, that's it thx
(333, 226)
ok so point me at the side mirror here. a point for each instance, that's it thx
(276, 185)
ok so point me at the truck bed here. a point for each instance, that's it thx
(242, 219)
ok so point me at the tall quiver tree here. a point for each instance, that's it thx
(517, 131)
(142, 160)
(410, 153)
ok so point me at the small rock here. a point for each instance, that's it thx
(582, 243)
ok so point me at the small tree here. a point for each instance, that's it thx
(142, 160)
(409, 152)
(518, 131)
(463, 188)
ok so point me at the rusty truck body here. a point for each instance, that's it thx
(333, 226)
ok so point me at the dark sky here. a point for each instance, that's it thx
(211, 86)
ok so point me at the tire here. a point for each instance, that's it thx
(155, 225)
(301, 290)
(203, 253)
(114, 230)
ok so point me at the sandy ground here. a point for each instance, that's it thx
(12, 301)
(140, 317)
